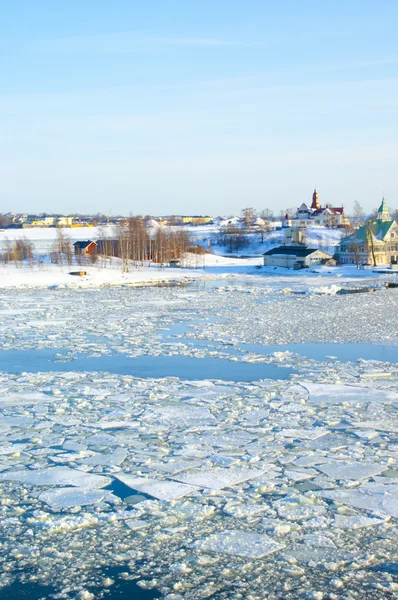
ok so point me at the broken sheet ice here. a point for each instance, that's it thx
(56, 476)
(239, 543)
(73, 496)
(325, 392)
(355, 521)
(180, 415)
(157, 488)
(137, 524)
(303, 434)
(297, 507)
(173, 428)
(351, 470)
(219, 478)
(112, 459)
(381, 499)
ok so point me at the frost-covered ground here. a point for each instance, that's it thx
(109, 272)
(282, 487)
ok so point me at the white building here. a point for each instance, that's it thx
(296, 257)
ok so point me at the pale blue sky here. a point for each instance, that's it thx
(196, 107)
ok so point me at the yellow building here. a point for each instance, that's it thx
(196, 220)
(65, 222)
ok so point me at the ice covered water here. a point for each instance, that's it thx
(275, 488)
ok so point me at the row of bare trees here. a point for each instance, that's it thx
(17, 251)
(135, 243)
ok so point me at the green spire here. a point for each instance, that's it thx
(383, 213)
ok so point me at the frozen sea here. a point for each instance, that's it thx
(233, 439)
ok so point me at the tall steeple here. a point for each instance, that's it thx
(315, 201)
(383, 214)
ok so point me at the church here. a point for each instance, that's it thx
(325, 216)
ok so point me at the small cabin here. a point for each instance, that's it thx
(175, 262)
(85, 248)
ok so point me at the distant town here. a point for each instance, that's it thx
(363, 240)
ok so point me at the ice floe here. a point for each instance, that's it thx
(239, 543)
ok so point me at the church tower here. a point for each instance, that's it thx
(315, 201)
(383, 214)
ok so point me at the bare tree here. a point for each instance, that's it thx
(248, 217)
(354, 249)
(7, 255)
(359, 213)
(263, 228)
(370, 235)
(233, 237)
(332, 220)
(266, 214)
(62, 249)
(22, 250)
(4, 221)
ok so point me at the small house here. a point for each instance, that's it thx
(296, 257)
(85, 248)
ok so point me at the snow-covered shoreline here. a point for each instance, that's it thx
(215, 267)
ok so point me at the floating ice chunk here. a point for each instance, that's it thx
(317, 523)
(56, 476)
(113, 459)
(297, 476)
(305, 553)
(12, 449)
(386, 480)
(22, 399)
(239, 543)
(117, 424)
(73, 496)
(325, 392)
(309, 460)
(245, 510)
(101, 439)
(219, 478)
(70, 456)
(12, 421)
(354, 471)
(162, 490)
(180, 415)
(223, 461)
(46, 323)
(303, 434)
(256, 416)
(331, 442)
(389, 426)
(137, 524)
(355, 521)
(173, 466)
(375, 497)
(205, 383)
(298, 508)
(319, 539)
(55, 524)
(366, 434)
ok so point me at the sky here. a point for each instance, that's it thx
(182, 107)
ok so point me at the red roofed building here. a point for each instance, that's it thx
(326, 216)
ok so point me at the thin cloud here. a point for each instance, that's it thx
(130, 42)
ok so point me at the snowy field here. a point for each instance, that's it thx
(43, 239)
(272, 475)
